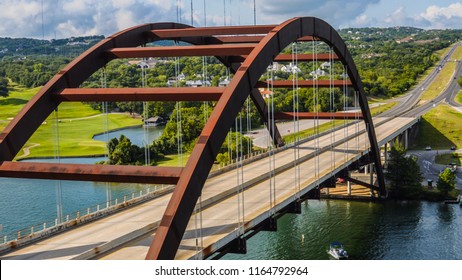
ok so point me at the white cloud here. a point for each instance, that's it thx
(443, 17)
(65, 18)
(23, 18)
(335, 12)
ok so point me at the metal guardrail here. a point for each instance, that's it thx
(80, 215)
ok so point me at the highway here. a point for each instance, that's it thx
(408, 103)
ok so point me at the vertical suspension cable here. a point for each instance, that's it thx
(224, 12)
(296, 119)
(357, 122)
(271, 137)
(241, 136)
(332, 107)
(178, 114)
(273, 126)
(57, 157)
(316, 108)
(205, 14)
(147, 154)
(346, 98)
(106, 132)
(192, 14)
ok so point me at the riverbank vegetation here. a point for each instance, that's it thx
(404, 179)
(403, 174)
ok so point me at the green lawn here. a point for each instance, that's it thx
(459, 97)
(382, 108)
(78, 123)
(440, 128)
(172, 160)
(443, 78)
(11, 105)
(75, 135)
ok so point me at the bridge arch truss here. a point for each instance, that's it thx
(246, 50)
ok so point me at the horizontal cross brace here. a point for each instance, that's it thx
(211, 31)
(182, 51)
(141, 94)
(361, 183)
(306, 57)
(320, 115)
(239, 39)
(305, 83)
(91, 172)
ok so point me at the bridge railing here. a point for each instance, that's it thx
(40, 230)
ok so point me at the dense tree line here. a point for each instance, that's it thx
(3, 87)
(403, 174)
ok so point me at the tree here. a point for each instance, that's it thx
(446, 181)
(3, 87)
(404, 176)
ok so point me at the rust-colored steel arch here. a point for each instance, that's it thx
(248, 53)
(174, 222)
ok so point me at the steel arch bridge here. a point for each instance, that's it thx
(246, 50)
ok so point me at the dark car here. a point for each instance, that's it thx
(453, 148)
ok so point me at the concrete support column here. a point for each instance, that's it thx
(327, 191)
(385, 155)
(365, 169)
(371, 173)
(348, 187)
(406, 138)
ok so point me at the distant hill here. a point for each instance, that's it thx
(70, 47)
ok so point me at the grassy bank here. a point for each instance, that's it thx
(449, 158)
(382, 108)
(440, 128)
(459, 97)
(443, 78)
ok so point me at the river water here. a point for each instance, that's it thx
(26, 202)
(369, 230)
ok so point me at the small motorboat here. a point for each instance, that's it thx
(337, 251)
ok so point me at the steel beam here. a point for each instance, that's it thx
(320, 115)
(212, 31)
(239, 39)
(306, 57)
(183, 51)
(91, 172)
(141, 94)
(304, 84)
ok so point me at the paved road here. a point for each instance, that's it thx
(430, 169)
(408, 102)
(260, 136)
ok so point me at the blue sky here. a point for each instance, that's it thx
(66, 18)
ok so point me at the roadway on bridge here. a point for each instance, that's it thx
(219, 221)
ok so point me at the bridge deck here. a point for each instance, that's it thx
(219, 221)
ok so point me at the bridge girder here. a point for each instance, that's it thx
(247, 63)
